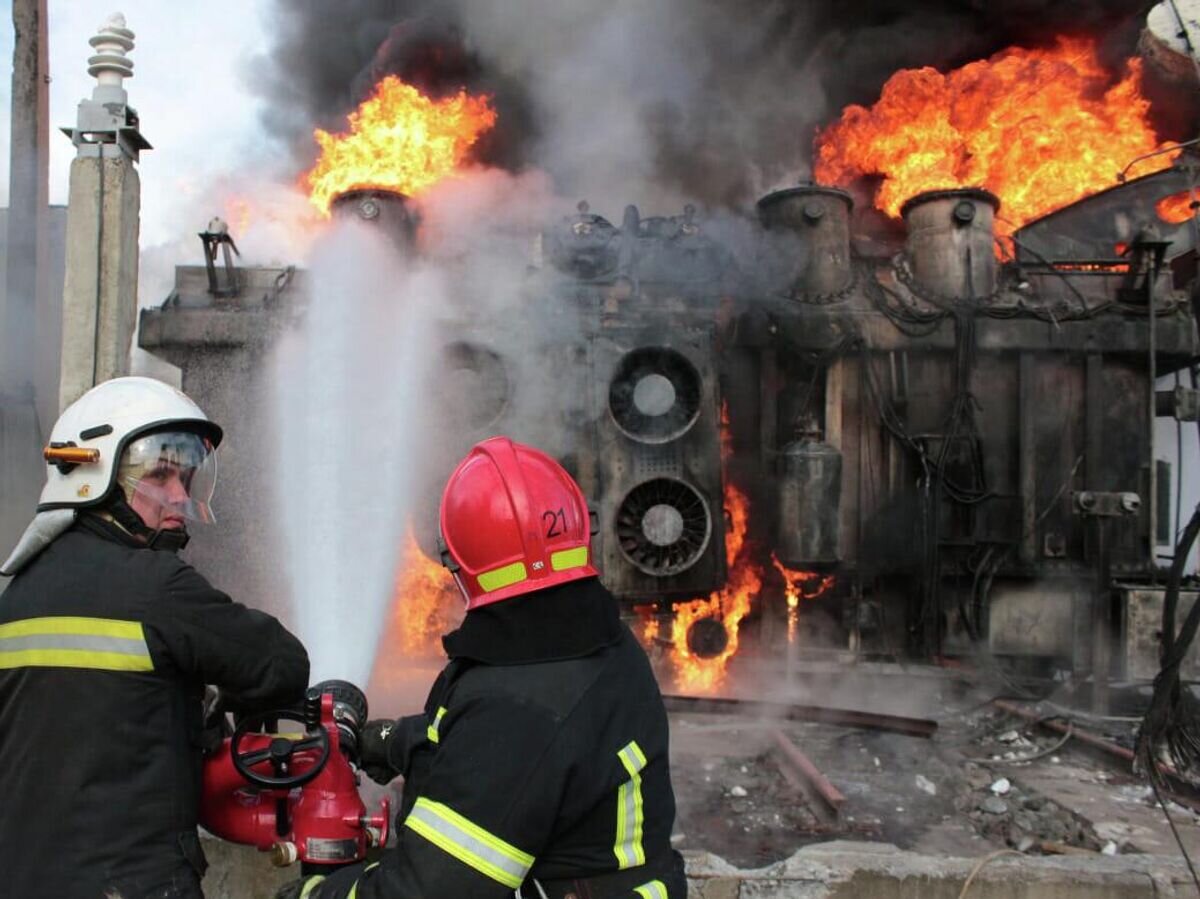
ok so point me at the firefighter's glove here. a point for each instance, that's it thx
(374, 754)
(304, 888)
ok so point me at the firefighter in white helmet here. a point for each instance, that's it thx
(107, 641)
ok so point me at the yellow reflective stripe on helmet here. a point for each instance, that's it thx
(566, 559)
(630, 815)
(431, 732)
(655, 889)
(70, 642)
(469, 843)
(502, 577)
(310, 885)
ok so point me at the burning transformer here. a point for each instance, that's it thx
(887, 446)
(922, 430)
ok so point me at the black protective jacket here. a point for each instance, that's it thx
(542, 754)
(105, 648)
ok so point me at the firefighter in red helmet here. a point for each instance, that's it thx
(540, 763)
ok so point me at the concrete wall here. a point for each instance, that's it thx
(223, 348)
(102, 269)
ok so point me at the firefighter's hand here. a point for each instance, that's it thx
(373, 752)
(300, 889)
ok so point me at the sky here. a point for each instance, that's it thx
(192, 65)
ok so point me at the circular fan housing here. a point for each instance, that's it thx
(472, 382)
(655, 395)
(663, 526)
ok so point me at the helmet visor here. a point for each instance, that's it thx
(176, 470)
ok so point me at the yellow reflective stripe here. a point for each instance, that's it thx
(502, 577)
(74, 642)
(630, 815)
(469, 843)
(431, 732)
(310, 885)
(95, 627)
(566, 559)
(655, 889)
(353, 894)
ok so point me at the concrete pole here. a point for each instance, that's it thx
(100, 292)
(27, 198)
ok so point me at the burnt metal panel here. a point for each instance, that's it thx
(1092, 228)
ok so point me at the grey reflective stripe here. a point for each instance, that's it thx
(469, 843)
(79, 642)
(655, 889)
(632, 758)
(628, 846)
(66, 641)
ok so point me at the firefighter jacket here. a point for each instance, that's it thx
(105, 648)
(544, 757)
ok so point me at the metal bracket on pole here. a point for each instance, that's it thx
(1100, 508)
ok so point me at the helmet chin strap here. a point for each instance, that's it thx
(168, 539)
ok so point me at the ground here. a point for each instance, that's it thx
(961, 793)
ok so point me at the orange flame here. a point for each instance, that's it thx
(1038, 128)
(1175, 209)
(425, 606)
(729, 605)
(399, 140)
(802, 584)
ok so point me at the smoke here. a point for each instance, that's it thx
(712, 101)
(708, 101)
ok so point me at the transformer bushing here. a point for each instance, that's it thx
(379, 208)
(106, 125)
(951, 243)
(819, 220)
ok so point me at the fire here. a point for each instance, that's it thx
(1040, 128)
(425, 606)
(399, 140)
(802, 584)
(1175, 209)
(729, 605)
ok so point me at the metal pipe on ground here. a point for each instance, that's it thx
(800, 771)
(1106, 747)
(914, 727)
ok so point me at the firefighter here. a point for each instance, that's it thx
(540, 762)
(107, 641)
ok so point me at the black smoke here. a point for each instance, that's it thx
(714, 100)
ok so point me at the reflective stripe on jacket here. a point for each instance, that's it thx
(105, 648)
(548, 769)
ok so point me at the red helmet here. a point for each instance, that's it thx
(513, 521)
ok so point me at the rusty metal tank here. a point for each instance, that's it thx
(818, 220)
(810, 490)
(951, 243)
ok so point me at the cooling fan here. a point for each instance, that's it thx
(663, 526)
(655, 395)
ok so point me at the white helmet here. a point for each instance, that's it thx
(92, 433)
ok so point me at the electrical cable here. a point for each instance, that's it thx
(1033, 756)
(1178, 841)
